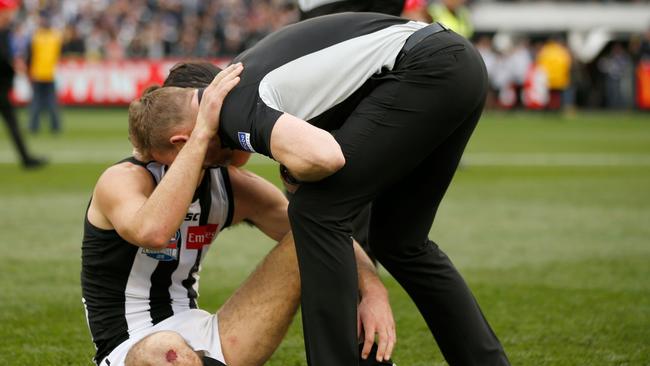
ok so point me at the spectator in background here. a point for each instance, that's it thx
(491, 60)
(19, 43)
(511, 70)
(155, 28)
(73, 45)
(94, 42)
(454, 14)
(7, 9)
(617, 69)
(113, 51)
(43, 56)
(555, 59)
(644, 47)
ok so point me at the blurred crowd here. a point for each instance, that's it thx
(543, 73)
(535, 73)
(154, 29)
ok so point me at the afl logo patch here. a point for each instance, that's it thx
(245, 141)
(167, 254)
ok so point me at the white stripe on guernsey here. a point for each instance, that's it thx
(219, 194)
(136, 305)
(310, 85)
(83, 300)
(157, 169)
(177, 292)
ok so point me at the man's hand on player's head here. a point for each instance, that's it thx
(207, 121)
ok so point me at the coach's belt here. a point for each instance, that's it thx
(418, 36)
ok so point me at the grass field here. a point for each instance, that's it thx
(548, 219)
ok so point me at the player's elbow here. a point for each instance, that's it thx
(152, 239)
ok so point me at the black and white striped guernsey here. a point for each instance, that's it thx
(126, 289)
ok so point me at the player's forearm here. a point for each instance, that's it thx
(369, 282)
(164, 211)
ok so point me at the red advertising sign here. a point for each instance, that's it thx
(81, 82)
(643, 85)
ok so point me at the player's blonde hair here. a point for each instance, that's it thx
(153, 116)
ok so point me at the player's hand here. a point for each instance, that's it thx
(207, 120)
(375, 317)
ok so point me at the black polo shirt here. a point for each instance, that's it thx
(315, 70)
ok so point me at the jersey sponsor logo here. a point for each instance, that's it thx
(192, 216)
(167, 254)
(245, 141)
(198, 236)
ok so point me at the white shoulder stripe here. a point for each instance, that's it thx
(312, 84)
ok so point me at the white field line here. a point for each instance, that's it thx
(556, 159)
(469, 159)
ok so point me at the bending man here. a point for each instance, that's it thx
(366, 108)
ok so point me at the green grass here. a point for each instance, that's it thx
(548, 219)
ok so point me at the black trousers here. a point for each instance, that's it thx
(402, 145)
(44, 98)
(9, 116)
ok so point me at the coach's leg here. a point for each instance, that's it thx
(426, 273)
(255, 319)
(328, 274)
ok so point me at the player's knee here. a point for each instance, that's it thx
(162, 348)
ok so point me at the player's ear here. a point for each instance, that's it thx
(178, 140)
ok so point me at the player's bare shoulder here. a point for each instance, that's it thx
(127, 176)
(118, 184)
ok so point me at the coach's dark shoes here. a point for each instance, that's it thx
(372, 358)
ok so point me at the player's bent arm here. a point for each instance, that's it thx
(259, 202)
(145, 216)
(309, 152)
(151, 220)
(369, 282)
